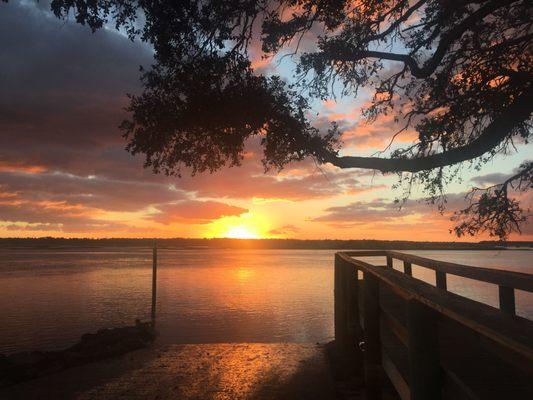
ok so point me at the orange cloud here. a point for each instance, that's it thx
(19, 167)
(284, 231)
(377, 134)
(195, 212)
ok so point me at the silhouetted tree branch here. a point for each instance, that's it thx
(492, 209)
(458, 72)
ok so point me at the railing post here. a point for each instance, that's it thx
(440, 278)
(407, 268)
(389, 262)
(372, 348)
(340, 300)
(425, 380)
(507, 300)
(154, 282)
(352, 286)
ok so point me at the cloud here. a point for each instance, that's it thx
(358, 213)
(51, 214)
(70, 202)
(88, 191)
(300, 181)
(34, 227)
(384, 213)
(285, 230)
(63, 88)
(195, 212)
(62, 98)
(490, 179)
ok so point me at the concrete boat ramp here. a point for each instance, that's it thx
(194, 371)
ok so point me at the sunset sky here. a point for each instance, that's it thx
(64, 170)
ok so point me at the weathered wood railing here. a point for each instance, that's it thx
(432, 343)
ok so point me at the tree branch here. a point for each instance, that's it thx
(347, 54)
(492, 136)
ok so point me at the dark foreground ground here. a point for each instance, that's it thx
(201, 372)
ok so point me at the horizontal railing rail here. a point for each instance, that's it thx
(507, 281)
(510, 336)
(516, 280)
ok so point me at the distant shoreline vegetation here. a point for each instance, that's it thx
(226, 243)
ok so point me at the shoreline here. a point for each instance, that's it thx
(253, 244)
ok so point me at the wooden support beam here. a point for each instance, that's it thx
(440, 278)
(425, 376)
(407, 269)
(389, 262)
(507, 299)
(354, 328)
(372, 348)
(341, 304)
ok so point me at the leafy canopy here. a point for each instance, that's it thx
(458, 72)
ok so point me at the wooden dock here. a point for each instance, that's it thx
(428, 342)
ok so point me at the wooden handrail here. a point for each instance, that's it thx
(509, 337)
(516, 280)
(516, 334)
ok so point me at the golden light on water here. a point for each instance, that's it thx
(244, 274)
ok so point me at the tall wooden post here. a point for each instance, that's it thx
(372, 352)
(154, 282)
(340, 300)
(440, 280)
(507, 299)
(407, 268)
(352, 285)
(425, 380)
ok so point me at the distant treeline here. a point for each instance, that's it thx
(222, 243)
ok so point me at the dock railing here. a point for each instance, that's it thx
(429, 342)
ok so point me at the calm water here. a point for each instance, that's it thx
(49, 298)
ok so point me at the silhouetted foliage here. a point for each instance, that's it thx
(458, 72)
(492, 209)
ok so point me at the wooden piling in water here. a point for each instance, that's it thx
(154, 283)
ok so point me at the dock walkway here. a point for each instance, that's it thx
(252, 371)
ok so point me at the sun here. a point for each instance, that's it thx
(241, 232)
(244, 226)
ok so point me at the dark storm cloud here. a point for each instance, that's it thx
(63, 88)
